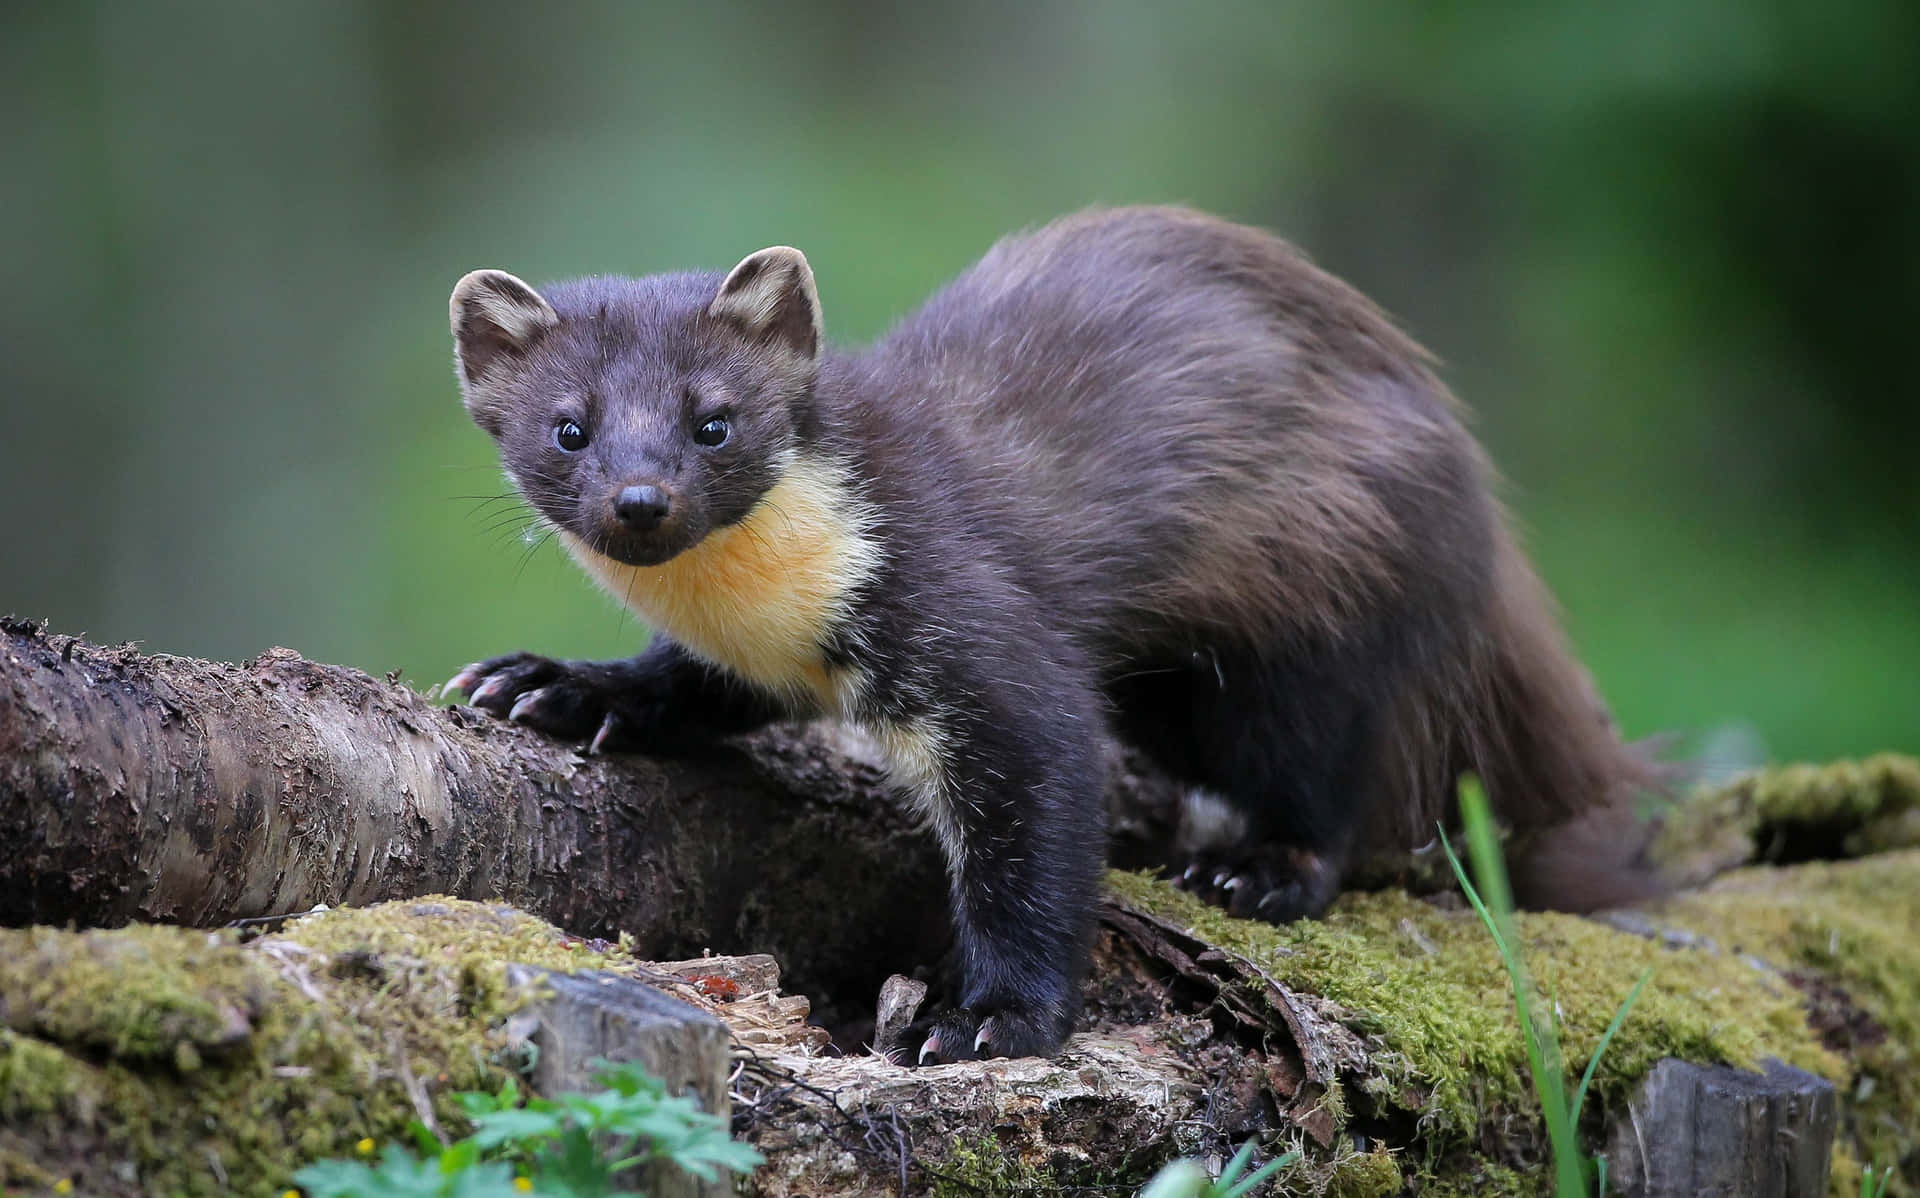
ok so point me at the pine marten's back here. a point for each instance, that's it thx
(1209, 446)
(1200, 427)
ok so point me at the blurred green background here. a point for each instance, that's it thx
(1669, 251)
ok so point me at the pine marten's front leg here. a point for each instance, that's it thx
(662, 701)
(1008, 772)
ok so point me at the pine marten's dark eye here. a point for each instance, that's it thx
(570, 437)
(713, 432)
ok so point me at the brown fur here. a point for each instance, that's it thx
(1343, 480)
(1139, 470)
(1542, 741)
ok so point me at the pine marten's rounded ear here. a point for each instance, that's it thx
(497, 319)
(771, 297)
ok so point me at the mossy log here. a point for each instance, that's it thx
(168, 789)
(151, 1059)
(1380, 1039)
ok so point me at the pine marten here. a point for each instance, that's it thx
(1140, 471)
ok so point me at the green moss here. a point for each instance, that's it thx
(191, 1063)
(1365, 1175)
(193, 990)
(1843, 1178)
(1427, 989)
(17, 1170)
(464, 946)
(1484, 1179)
(980, 1167)
(1849, 924)
(1849, 808)
(198, 1065)
(1763, 943)
(1853, 793)
(1338, 1172)
(35, 1079)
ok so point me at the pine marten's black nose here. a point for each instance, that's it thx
(642, 508)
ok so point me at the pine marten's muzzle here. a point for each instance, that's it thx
(643, 524)
(642, 508)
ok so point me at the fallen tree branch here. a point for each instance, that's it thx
(156, 788)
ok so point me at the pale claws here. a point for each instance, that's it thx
(1235, 882)
(980, 1040)
(524, 703)
(930, 1047)
(600, 737)
(1219, 879)
(463, 680)
(489, 688)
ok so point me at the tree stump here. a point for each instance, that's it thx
(1711, 1130)
(592, 1016)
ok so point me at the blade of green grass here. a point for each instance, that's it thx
(1543, 1048)
(1239, 1162)
(1872, 1186)
(1259, 1175)
(1606, 1038)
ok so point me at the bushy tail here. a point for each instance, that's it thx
(1524, 715)
(1553, 762)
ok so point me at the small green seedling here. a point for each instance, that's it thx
(568, 1146)
(1185, 1178)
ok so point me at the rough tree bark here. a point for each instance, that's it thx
(156, 788)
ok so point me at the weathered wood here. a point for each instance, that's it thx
(168, 789)
(136, 787)
(1711, 1130)
(1309, 1049)
(751, 973)
(745, 992)
(899, 1004)
(858, 1125)
(586, 1017)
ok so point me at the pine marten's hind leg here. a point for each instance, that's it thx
(1283, 746)
(662, 701)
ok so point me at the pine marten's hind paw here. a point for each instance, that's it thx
(567, 700)
(1273, 882)
(963, 1034)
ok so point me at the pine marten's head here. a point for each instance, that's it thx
(640, 415)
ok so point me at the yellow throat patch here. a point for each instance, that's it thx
(760, 597)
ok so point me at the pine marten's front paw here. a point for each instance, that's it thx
(568, 700)
(963, 1034)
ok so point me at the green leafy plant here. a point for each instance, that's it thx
(568, 1146)
(1493, 901)
(1185, 1178)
